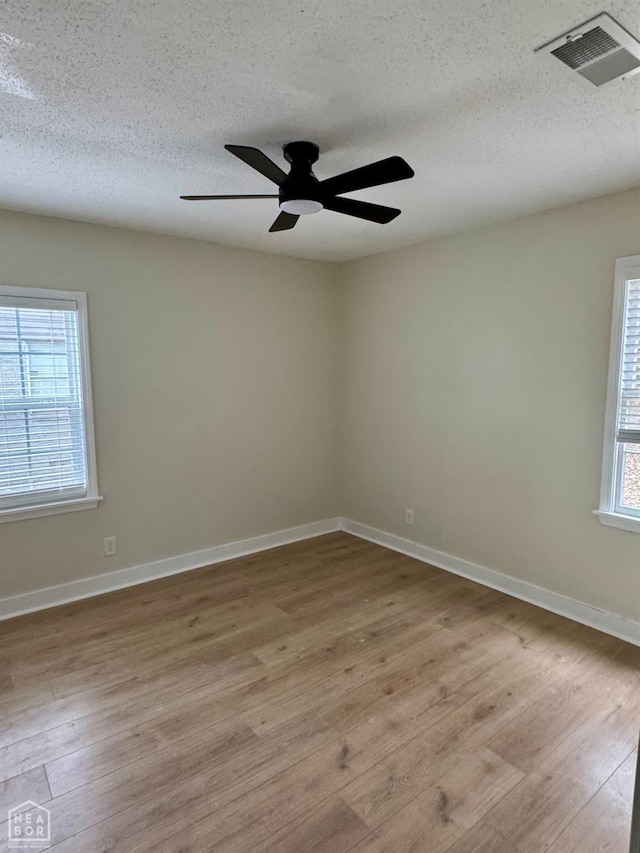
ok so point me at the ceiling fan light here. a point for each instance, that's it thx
(300, 206)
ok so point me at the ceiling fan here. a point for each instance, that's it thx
(301, 193)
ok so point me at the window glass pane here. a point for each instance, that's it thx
(629, 414)
(631, 476)
(49, 372)
(9, 371)
(42, 439)
(13, 442)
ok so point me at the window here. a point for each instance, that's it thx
(47, 455)
(620, 497)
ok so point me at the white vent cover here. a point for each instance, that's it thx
(600, 50)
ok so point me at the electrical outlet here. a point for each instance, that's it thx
(110, 546)
(408, 516)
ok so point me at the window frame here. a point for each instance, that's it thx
(46, 503)
(610, 511)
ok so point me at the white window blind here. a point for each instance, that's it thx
(628, 427)
(43, 401)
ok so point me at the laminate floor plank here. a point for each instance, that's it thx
(602, 825)
(332, 826)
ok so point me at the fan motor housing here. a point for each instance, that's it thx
(300, 183)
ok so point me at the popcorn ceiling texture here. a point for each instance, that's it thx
(110, 110)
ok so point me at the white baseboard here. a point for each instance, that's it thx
(602, 620)
(41, 599)
(64, 593)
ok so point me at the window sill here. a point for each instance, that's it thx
(616, 519)
(21, 513)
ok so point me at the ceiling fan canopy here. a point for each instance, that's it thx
(301, 193)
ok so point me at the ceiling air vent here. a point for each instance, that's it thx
(600, 50)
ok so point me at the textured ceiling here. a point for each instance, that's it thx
(111, 110)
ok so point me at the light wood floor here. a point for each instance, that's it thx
(325, 696)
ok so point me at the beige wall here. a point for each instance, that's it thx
(214, 380)
(473, 390)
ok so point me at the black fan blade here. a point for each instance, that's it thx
(213, 197)
(362, 209)
(382, 172)
(258, 161)
(284, 222)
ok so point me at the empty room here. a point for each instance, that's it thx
(319, 426)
